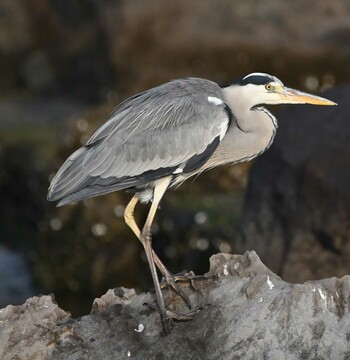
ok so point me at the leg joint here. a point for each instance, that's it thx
(147, 235)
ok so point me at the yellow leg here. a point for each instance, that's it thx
(129, 216)
(146, 238)
(130, 221)
(169, 278)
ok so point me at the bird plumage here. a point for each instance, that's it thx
(177, 129)
(173, 128)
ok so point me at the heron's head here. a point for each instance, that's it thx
(261, 88)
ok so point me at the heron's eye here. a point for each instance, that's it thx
(268, 87)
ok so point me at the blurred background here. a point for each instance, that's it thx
(64, 66)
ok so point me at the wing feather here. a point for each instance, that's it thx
(163, 127)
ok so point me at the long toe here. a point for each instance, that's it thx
(181, 317)
(191, 277)
(170, 280)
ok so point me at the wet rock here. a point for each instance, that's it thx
(247, 312)
(297, 208)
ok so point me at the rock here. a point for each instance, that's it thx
(28, 331)
(53, 48)
(297, 208)
(15, 27)
(247, 312)
(85, 50)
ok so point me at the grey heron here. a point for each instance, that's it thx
(162, 136)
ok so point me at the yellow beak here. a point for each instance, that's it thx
(292, 96)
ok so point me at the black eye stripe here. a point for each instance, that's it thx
(256, 80)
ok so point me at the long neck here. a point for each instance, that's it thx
(251, 132)
(249, 118)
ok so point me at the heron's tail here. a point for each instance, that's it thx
(72, 184)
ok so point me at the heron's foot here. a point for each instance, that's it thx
(170, 280)
(181, 317)
(194, 278)
(190, 277)
(168, 315)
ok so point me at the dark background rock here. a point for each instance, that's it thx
(247, 312)
(291, 40)
(54, 48)
(297, 209)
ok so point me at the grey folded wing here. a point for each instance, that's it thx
(155, 133)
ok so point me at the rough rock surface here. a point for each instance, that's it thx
(297, 209)
(247, 312)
